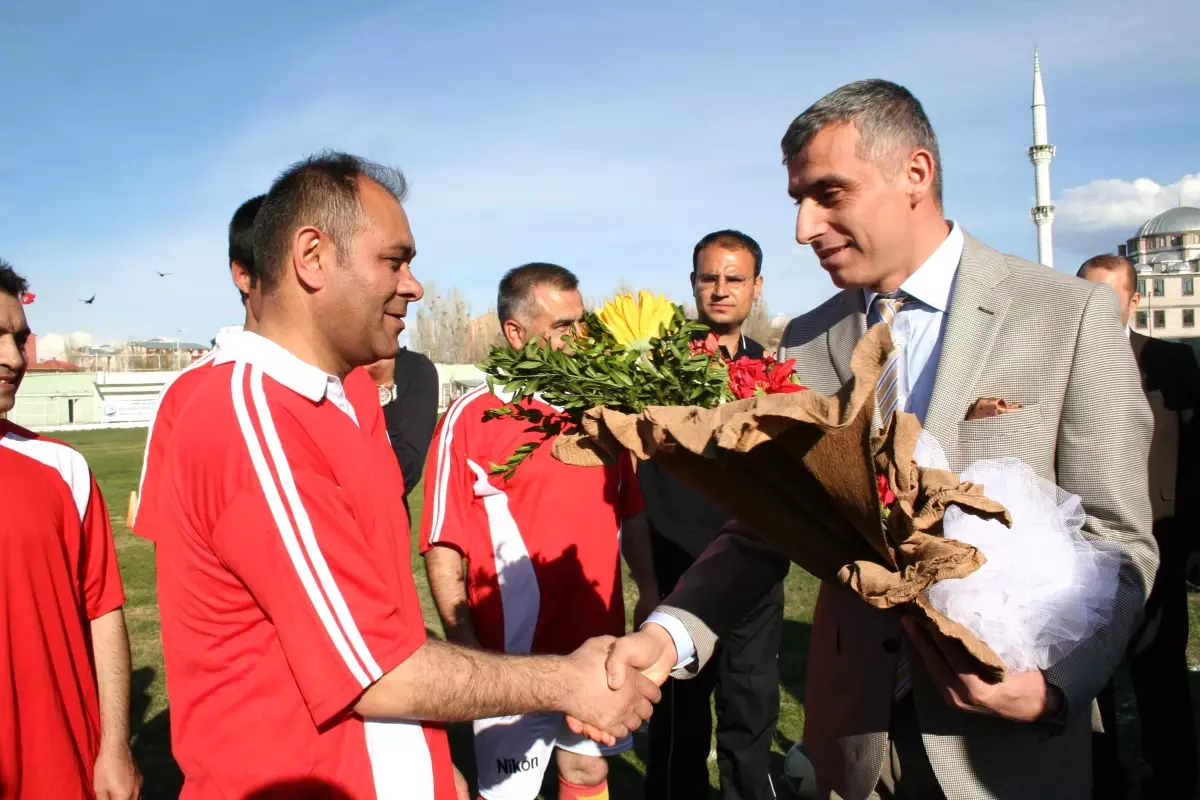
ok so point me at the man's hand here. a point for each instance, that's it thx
(117, 777)
(650, 651)
(1024, 697)
(608, 713)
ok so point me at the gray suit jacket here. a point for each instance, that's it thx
(1018, 331)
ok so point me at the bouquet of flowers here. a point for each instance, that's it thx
(629, 356)
(811, 474)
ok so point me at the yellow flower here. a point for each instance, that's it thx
(633, 323)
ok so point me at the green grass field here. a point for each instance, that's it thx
(116, 457)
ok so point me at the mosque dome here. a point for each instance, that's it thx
(1173, 220)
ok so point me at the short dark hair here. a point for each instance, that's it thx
(11, 283)
(888, 117)
(323, 191)
(1112, 263)
(518, 284)
(241, 235)
(730, 240)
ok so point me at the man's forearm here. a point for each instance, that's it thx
(110, 649)
(444, 567)
(444, 682)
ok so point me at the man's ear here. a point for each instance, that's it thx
(241, 277)
(919, 172)
(758, 287)
(514, 334)
(312, 257)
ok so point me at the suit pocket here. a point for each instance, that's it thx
(990, 427)
(1018, 434)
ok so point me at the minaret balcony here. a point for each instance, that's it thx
(1041, 152)
(1042, 214)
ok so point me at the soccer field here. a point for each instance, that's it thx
(116, 456)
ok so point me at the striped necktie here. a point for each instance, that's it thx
(887, 398)
(887, 389)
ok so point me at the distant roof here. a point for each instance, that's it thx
(54, 365)
(1173, 220)
(171, 344)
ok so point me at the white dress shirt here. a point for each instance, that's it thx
(917, 331)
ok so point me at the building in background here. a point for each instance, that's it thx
(1166, 253)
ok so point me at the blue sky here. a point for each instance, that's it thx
(606, 137)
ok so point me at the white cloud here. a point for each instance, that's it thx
(1104, 213)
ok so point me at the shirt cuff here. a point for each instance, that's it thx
(685, 648)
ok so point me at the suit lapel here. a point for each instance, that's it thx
(844, 334)
(973, 319)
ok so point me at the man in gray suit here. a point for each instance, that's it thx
(889, 711)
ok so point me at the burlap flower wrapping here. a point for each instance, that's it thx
(799, 470)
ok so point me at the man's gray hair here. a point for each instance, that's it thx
(322, 191)
(891, 125)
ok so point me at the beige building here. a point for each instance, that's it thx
(1166, 252)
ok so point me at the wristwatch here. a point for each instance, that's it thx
(387, 394)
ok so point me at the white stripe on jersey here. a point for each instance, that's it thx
(203, 362)
(286, 532)
(401, 764)
(442, 478)
(307, 536)
(70, 464)
(520, 595)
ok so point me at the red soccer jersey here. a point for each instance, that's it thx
(58, 571)
(543, 548)
(285, 588)
(171, 402)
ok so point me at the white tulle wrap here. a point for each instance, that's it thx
(1045, 587)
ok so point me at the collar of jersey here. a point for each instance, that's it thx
(301, 377)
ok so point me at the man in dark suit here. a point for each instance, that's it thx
(408, 392)
(726, 281)
(1158, 650)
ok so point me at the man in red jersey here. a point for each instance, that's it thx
(178, 391)
(64, 698)
(297, 659)
(542, 550)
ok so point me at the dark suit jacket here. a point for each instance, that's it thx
(412, 416)
(1172, 383)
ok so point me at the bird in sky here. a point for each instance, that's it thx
(161, 274)
(88, 302)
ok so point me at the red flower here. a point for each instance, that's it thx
(27, 298)
(745, 375)
(886, 495)
(708, 346)
(779, 377)
(754, 376)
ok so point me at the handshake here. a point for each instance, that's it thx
(633, 667)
